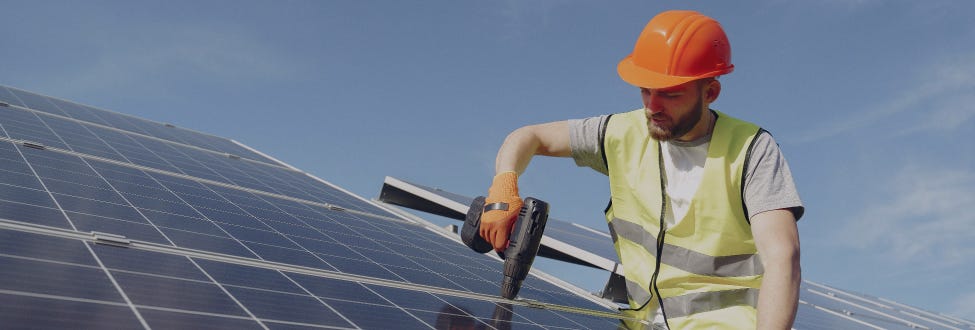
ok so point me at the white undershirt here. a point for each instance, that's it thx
(684, 168)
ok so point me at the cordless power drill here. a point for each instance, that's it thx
(523, 244)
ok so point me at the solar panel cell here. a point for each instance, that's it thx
(18, 176)
(22, 125)
(132, 228)
(51, 313)
(39, 247)
(181, 294)
(146, 262)
(369, 316)
(54, 278)
(34, 214)
(165, 319)
(252, 277)
(204, 242)
(36, 102)
(300, 308)
(337, 290)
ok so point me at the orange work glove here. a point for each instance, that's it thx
(498, 220)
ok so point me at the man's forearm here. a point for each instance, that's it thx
(778, 298)
(551, 139)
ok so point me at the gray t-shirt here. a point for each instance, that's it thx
(768, 180)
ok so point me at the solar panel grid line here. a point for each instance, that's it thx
(443, 306)
(249, 247)
(928, 319)
(924, 322)
(101, 265)
(325, 235)
(184, 311)
(308, 293)
(847, 294)
(943, 317)
(394, 305)
(320, 180)
(970, 323)
(150, 137)
(207, 255)
(58, 297)
(395, 252)
(52, 99)
(262, 154)
(58, 262)
(225, 291)
(833, 297)
(299, 189)
(241, 305)
(32, 101)
(30, 128)
(842, 315)
(72, 109)
(206, 181)
(111, 277)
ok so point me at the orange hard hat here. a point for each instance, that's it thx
(676, 47)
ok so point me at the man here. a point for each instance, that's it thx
(703, 210)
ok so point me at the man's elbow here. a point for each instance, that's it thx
(549, 139)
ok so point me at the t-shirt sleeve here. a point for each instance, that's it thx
(585, 140)
(768, 182)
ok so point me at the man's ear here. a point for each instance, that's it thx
(711, 90)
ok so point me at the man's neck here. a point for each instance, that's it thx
(703, 127)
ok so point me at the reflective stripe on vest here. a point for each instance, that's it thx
(708, 261)
(687, 260)
(693, 303)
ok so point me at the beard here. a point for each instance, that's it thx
(679, 126)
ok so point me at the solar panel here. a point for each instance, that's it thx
(110, 221)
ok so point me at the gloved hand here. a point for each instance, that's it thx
(498, 220)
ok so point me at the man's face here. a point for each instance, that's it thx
(673, 111)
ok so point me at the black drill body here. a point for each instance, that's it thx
(523, 244)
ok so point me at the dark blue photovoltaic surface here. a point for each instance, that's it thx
(138, 149)
(117, 174)
(124, 122)
(183, 196)
(172, 290)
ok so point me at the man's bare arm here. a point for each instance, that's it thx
(549, 139)
(777, 240)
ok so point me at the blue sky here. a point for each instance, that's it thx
(871, 101)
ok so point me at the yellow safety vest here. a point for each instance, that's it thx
(705, 270)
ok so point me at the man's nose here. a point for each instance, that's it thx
(651, 101)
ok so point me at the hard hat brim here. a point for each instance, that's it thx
(641, 77)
